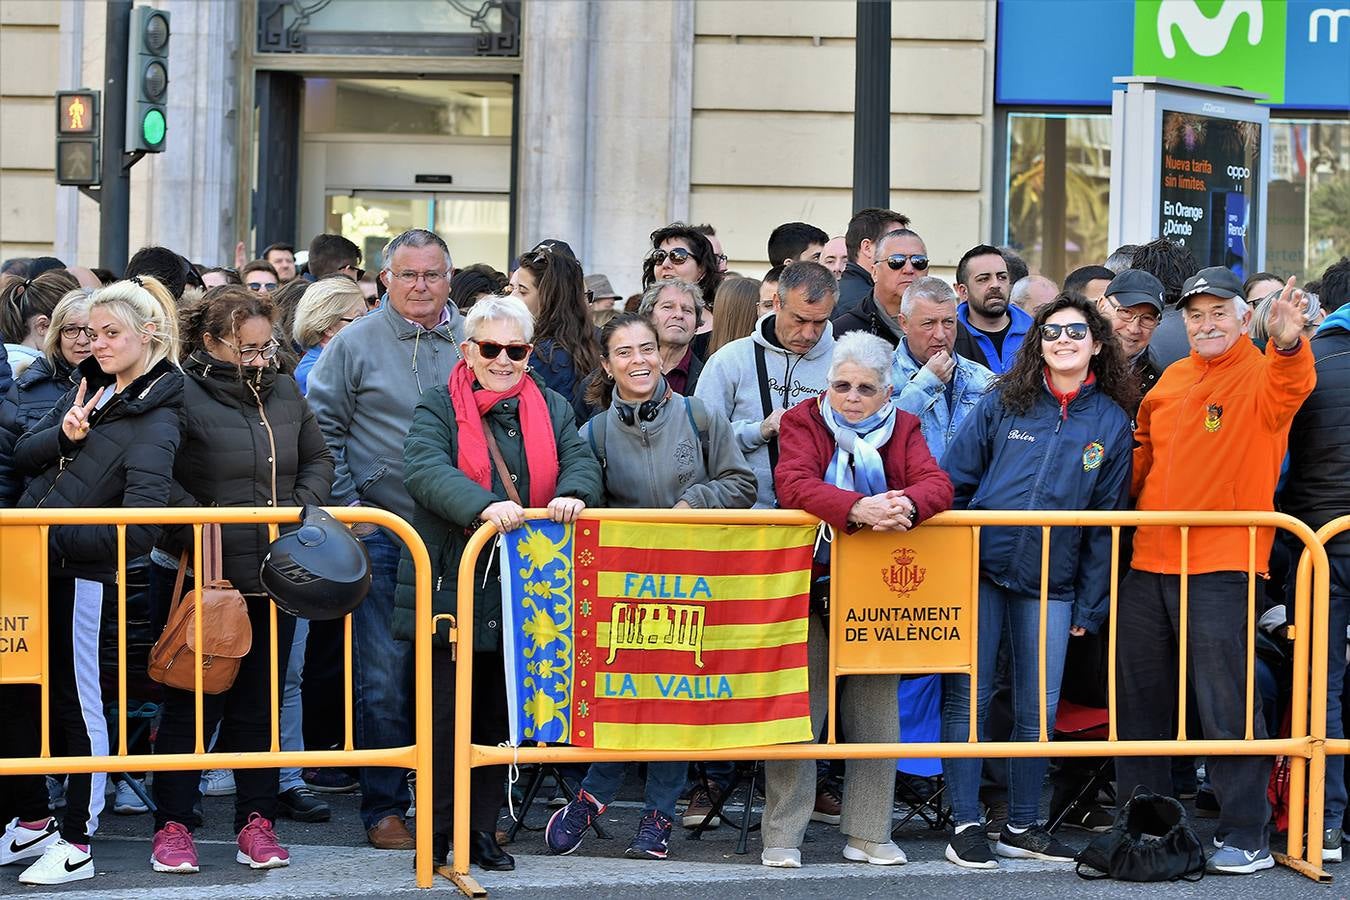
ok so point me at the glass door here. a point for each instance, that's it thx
(474, 226)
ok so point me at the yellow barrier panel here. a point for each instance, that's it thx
(1317, 712)
(23, 589)
(873, 577)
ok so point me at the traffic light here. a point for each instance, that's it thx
(147, 80)
(77, 137)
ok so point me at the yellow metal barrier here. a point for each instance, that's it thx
(1300, 746)
(1321, 661)
(416, 756)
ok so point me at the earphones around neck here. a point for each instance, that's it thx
(647, 411)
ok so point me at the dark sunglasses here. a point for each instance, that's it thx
(677, 255)
(491, 349)
(1076, 330)
(864, 389)
(898, 260)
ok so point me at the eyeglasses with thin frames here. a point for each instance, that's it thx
(1147, 321)
(267, 351)
(864, 389)
(411, 278)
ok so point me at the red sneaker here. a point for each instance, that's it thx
(173, 850)
(258, 847)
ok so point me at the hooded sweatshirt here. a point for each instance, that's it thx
(729, 386)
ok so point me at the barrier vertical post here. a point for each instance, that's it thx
(197, 634)
(1317, 713)
(274, 681)
(1298, 713)
(1111, 635)
(121, 640)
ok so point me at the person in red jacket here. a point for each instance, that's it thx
(855, 460)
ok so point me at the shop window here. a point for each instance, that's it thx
(1308, 223)
(444, 108)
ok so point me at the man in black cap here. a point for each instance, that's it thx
(1133, 304)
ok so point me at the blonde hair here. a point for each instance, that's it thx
(139, 304)
(323, 305)
(74, 304)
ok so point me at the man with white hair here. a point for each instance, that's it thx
(1211, 435)
(928, 378)
(363, 391)
(1033, 292)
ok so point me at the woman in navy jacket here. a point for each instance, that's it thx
(1052, 434)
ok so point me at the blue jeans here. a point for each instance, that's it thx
(1335, 802)
(1006, 616)
(292, 713)
(382, 677)
(665, 780)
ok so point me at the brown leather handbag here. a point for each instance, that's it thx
(226, 632)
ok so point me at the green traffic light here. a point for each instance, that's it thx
(152, 127)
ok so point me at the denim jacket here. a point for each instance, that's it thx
(918, 391)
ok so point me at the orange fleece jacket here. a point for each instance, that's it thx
(1212, 436)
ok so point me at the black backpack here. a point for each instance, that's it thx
(1150, 841)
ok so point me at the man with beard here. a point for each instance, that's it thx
(992, 328)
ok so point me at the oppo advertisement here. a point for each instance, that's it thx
(1210, 170)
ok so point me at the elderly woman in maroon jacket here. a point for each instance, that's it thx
(853, 459)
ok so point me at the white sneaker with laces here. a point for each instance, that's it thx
(61, 864)
(126, 802)
(20, 842)
(218, 783)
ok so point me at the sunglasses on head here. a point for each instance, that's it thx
(491, 349)
(677, 255)
(897, 260)
(1076, 330)
(864, 389)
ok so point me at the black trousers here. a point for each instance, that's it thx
(1146, 684)
(244, 714)
(22, 796)
(491, 725)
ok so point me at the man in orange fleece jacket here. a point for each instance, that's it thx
(1211, 436)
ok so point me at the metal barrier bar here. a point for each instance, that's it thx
(1041, 627)
(1251, 632)
(975, 630)
(1114, 601)
(274, 687)
(416, 756)
(1301, 746)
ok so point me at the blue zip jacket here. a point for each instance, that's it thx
(998, 363)
(1075, 457)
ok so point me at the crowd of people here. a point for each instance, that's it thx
(848, 382)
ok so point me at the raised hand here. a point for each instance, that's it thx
(1286, 321)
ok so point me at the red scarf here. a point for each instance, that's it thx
(536, 428)
(1065, 399)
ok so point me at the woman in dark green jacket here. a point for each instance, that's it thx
(490, 406)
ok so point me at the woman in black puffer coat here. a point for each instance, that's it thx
(249, 439)
(109, 443)
(68, 343)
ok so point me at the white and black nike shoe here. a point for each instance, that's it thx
(21, 842)
(61, 863)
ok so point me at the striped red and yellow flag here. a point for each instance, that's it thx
(680, 636)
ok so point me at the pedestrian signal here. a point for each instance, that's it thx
(77, 137)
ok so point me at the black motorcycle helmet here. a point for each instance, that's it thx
(319, 571)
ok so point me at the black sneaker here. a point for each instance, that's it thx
(1206, 804)
(1088, 817)
(301, 804)
(969, 849)
(1034, 843)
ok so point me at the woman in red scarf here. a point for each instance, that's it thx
(483, 448)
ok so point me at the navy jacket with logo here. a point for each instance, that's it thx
(1076, 458)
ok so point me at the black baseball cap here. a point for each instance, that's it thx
(1214, 280)
(1134, 287)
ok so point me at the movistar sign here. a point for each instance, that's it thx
(1297, 52)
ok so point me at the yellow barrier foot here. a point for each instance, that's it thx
(467, 884)
(1303, 867)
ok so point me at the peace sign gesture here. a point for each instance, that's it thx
(76, 423)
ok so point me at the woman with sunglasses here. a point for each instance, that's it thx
(249, 439)
(1051, 434)
(854, 459)
(481, 449)
(69, 341)
(550, 284)
(679, 251)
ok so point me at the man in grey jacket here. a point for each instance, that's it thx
(786, 359)
(363, 391)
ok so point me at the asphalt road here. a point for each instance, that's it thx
(333, 860)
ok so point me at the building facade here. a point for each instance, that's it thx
(504, 122)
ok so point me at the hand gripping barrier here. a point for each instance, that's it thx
(24, 574)
(1306, 745)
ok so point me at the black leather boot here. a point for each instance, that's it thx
(484, 853)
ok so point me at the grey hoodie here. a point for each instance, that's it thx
(729, 385)
(656, 464)
(363, 391)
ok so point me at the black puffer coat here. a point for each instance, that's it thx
(126, 461)
(1317, 488)
(41, 386)
(248, 440)
(9, 433)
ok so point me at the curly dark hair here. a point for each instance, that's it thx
(219, 313)
(1024, 383)
(563, 317)
(600, 390)
(703, 255)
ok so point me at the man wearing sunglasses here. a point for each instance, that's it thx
(900, 258)
(1133, 304)
(860, 242)
(363, 390)
(333, 253)
(992, 328)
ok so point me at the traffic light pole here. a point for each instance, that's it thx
(114, 212)
(872, 106)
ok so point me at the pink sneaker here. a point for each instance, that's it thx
(258, 847)
(173, 850)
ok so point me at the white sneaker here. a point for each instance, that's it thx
(126, 802)
(887, 854)
(217, 782)
(781, 858)
(62, 863)
(20, 842)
